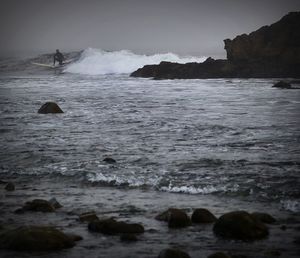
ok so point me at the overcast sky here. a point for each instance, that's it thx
(186, 27)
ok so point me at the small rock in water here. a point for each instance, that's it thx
(109, 160)
(128, 238)
(282, 85)
(113, 227)
(88, 216)
(203, 216)
(263, 217)
(50, 107)
(240, 225)
(176, 218)
(75, 237)
(35, 238)
(37, 205)
(55, 203)
(173, 253)
(10, 187)
(219, 255)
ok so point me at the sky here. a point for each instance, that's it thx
(185, 27)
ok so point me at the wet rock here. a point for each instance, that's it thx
(128, 238)
(75, 237)
(88, 216)
(113, 227)
(35, 238)
(219, 255)
(50, 107)
(10, 187)
(203, 216)
(173, 253)
(282, 85)
(55, 203)
(37, 205)
(240, 225)
(176, 218)
(263, 217)
(109, 160)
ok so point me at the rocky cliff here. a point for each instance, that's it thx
(269, 52)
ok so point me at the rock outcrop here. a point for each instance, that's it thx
(270, 52)
(50, 108)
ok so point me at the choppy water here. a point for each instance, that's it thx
(223, 137)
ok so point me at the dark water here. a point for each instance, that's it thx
(220, 144)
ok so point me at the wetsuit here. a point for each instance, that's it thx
(58, 57)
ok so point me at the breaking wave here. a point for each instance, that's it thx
(99, 62)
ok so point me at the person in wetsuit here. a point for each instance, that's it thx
(59, 57)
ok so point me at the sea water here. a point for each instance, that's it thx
(234, 142)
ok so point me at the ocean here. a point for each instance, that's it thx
(221, 144)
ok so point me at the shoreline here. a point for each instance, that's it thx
(137, 206)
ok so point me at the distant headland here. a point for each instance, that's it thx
(269, 52)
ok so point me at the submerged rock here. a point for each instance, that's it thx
(128, 238)
(88, 216)
(263, 217)
(35, 238)
(55, 203)
(173, 253)
(240, 225)
(10, 187)
(113, 227)
(176, 218)
(282, 85)
(50, 107)
(109, 160)
(203, 216)
(37, 205)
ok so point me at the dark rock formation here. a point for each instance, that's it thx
(35, 238)
(240, 225)
(113, 227)
(270, 52)
(128, 238)
(173, 253)
(37, 205)
(263, 217)
(55, 203)
(10, 187)
(109, 160)
(203, 216)
(50, 107)
(176, 218)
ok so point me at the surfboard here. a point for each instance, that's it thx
(53, 66)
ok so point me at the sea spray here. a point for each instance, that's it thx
(99, 62)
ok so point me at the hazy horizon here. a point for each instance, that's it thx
(186, 28)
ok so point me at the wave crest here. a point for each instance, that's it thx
(99, 62)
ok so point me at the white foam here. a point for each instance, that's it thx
(290, 205)
(99, 62)
(192, 189)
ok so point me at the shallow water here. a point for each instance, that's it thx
(220, 144)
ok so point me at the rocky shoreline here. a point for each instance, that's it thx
(84, 220)
(269, 52)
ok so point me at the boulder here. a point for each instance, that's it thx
(282, 85)
(35, 238)
(88, 216)
(50, 107)
(113, 227)
(263, 217)
(219, 255)
(37, 205)
(203, 216)
(173, 253)
(176, 218)
(10, 187)
(240, 225)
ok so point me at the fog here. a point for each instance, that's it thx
(190, 27)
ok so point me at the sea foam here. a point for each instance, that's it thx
(99, 62)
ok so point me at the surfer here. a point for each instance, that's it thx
(59, 57)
